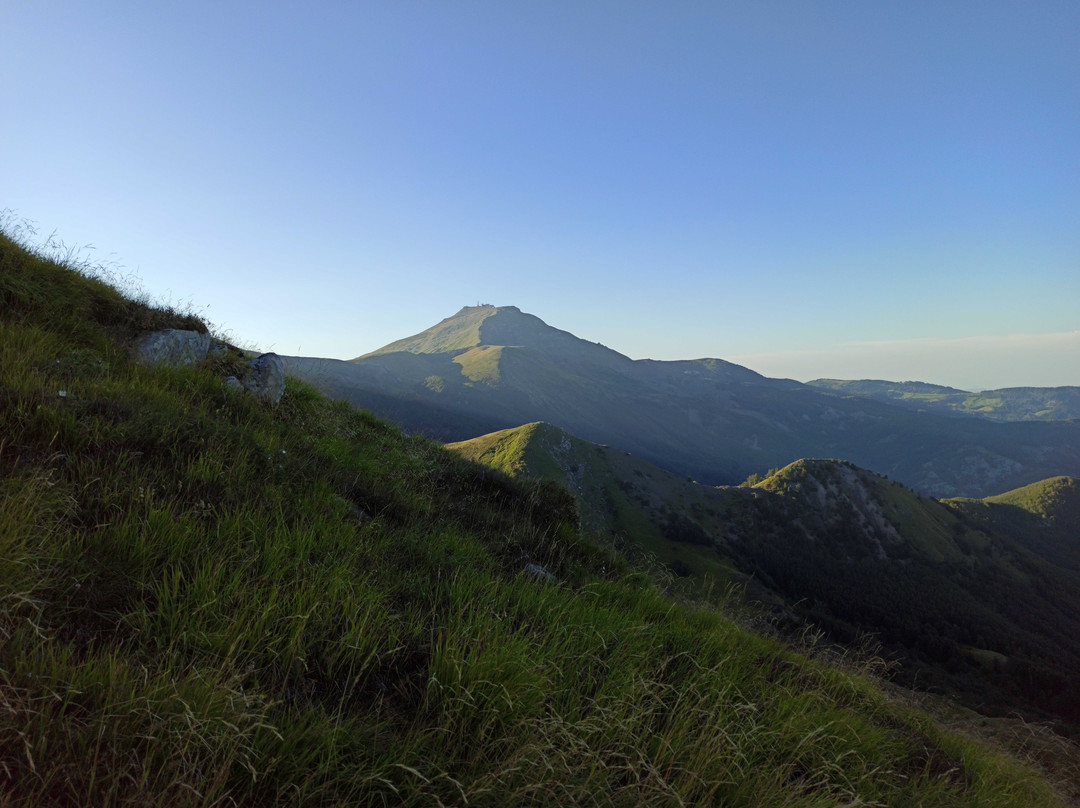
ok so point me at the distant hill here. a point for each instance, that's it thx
(969, 597)
(488, 368)
(1006, 404)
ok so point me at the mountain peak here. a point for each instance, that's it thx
(485, 325)
(458, 332)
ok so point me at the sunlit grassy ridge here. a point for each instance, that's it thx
(1041, 516)
(503, 451)
(1056, 498)
(618, 494)
(209, 601)
(462, 334)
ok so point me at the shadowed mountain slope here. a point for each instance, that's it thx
(489, 368)
(968, 595)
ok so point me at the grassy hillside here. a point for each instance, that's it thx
(1056, 500)
(211, 601)
(1044, 517)
(460, 332)
(971, 596)
(1006, 404)
(633, 503)
(971, 609)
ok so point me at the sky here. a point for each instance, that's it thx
(840, 188)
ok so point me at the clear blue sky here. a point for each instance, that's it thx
(849, 189)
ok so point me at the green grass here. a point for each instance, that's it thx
(1057, 497)
(481, 364)
(463, 334)
(503, 451)
(211, 601)
(609, 507)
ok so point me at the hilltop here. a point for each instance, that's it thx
(970, 598)
(1043, 516)
(488, 368)
(486, 326)
(209, 599)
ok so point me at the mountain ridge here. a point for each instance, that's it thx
(1001, 404)
(487, 326)
(488, 368)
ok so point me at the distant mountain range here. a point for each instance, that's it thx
(977, 597)
(488, 368)
(1006, 404)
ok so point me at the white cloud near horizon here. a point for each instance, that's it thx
(969, 363)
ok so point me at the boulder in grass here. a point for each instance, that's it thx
(266, 377)
(536, 571)
(173, 347)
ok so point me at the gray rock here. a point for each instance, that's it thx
(172, 347)
(536, 571)
(266, 377)
(234, 383)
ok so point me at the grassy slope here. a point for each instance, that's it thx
(619, 495)
(1043, 517)
(969, 605)
(503, 450)
(480, 364)
(460, 332)
(1056, 498)
(208, 601)
(957, 591)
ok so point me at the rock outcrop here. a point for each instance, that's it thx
(266, 377)
(172, 347)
